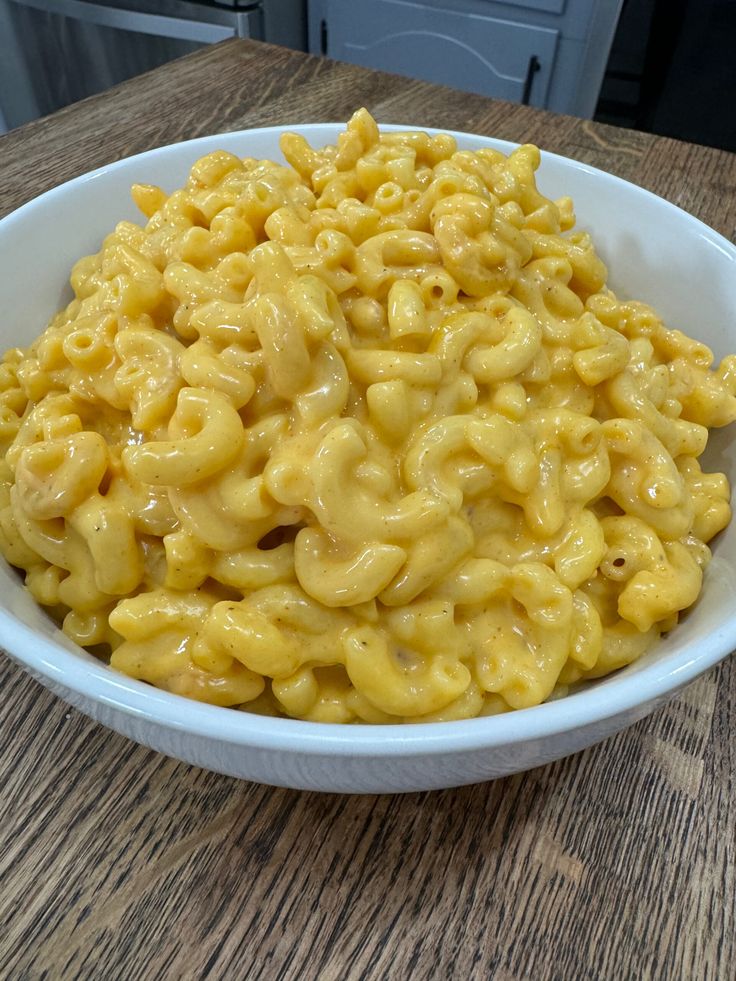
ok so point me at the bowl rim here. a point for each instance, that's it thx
(607, 698)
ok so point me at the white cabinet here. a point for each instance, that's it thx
(547, 53)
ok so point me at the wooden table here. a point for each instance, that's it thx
(118, 863)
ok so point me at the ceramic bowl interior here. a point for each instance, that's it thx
(655, 253)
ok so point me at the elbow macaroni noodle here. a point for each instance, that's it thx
(362, 438)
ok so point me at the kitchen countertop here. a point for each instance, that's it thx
(117, 862)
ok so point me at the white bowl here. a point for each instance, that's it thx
(656, 253)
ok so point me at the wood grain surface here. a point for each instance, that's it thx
(118, 863)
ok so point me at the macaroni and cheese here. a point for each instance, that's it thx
(361, 438)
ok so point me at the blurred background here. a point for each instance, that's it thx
(664, 66)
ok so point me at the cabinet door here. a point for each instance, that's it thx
(478, 53)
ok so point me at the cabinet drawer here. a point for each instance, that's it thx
(499, 58)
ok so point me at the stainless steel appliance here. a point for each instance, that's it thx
(54, 52)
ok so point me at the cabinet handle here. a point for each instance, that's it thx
(531, 71)
(323, 36)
